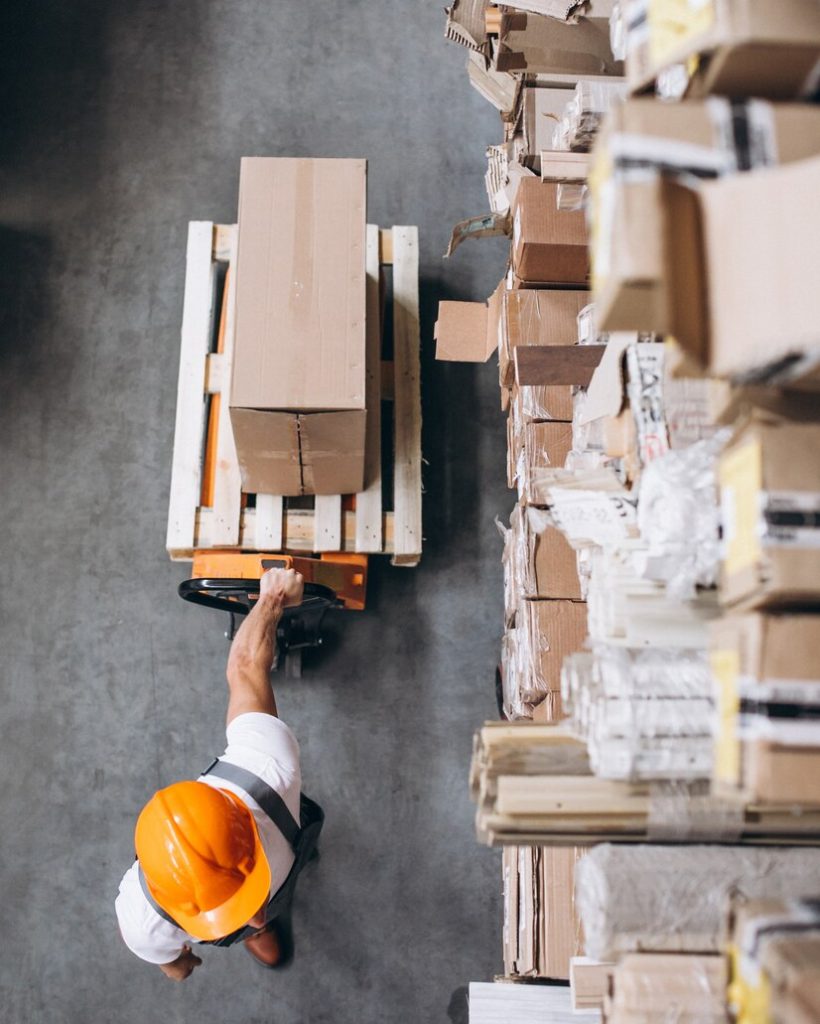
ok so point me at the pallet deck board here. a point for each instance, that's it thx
(267, 523)
(407, 399)
(189, 428)
(369, 501)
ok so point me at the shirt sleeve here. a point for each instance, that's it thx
(148, 935)
(268, 738)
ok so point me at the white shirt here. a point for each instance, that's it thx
(265, 746)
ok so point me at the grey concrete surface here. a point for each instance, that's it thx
(122, 121)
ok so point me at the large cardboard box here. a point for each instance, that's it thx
(791, 963)
(783, 774)
(742, 255)
(561, 936)
(547, 632)
(631, 223)
(766, 669)
(542, 930)
(541, 110)
(538, 44)
(469, 332)
(297, 398)
(769, 478)
(543, 564)
(549, 246)
(734, 48)
(542, 454)
(537, 317)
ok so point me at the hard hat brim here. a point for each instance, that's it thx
(235, 912)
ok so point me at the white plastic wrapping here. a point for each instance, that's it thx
(675, 898)
(679, 517)
(572, 195)
(585, 112)
(617, 31)
(645, 714)
(588, 333)
(627, 607)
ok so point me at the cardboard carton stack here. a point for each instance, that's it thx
(541, 927)
(774, 959)
(298, 410)
(549, 70)
(685, 480)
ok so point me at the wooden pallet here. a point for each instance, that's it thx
(267, 522)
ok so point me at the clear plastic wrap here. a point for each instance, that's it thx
(617, 30)
(571, 196)
(512, 673)
(679, 517)
(675, 898)
(593, 517)
(588, 333)
(511, 592)
(585, 111)
(645, 714)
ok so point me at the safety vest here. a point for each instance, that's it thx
(302, 837)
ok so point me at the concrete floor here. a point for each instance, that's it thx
(122, 121)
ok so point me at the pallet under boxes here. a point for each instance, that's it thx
(208, 509)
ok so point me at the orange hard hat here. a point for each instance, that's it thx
(200, 851)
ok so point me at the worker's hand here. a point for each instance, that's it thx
(182, 967)
(285, 585)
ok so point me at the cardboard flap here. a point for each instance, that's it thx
(484, 226)
(556, 364)
(685, 260)
(462, 334)
(605, 395)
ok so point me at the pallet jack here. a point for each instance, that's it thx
(229, 581)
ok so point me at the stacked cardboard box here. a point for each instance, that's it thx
(684, 480)
(297, 394)
(541, 927)
(775, 961)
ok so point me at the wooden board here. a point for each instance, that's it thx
(189, 427)
(298, 531)
(407, 399)
(369, 501)
(227, 481)
(327, 523)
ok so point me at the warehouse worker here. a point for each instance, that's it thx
(217, 859)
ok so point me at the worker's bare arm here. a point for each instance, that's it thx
(254, 646)
(182, 967)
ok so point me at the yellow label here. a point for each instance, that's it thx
(741, 480)
(749, 1003)
(673, 23)
(726, 672)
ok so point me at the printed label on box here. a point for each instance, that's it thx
(740, 483)
(726, 672)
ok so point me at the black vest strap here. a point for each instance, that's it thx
(147, 893)
(268, 799)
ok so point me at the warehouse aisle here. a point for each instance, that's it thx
(124, 121)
